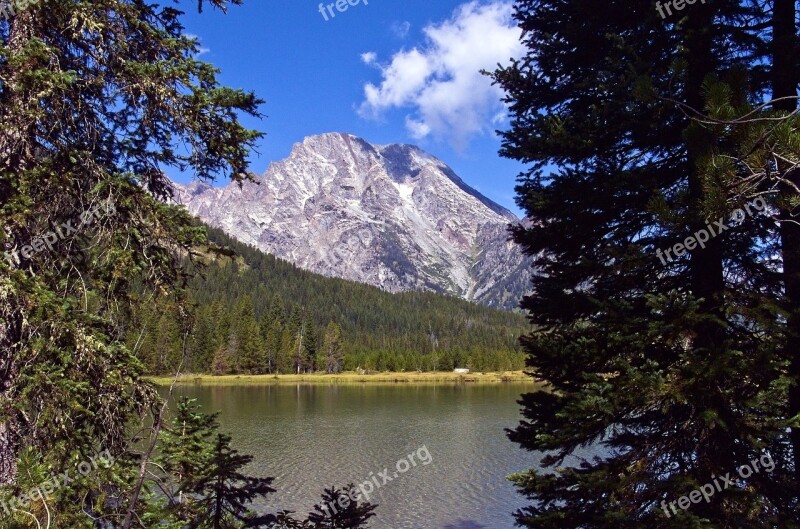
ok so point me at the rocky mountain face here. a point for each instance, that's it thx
(391, 216)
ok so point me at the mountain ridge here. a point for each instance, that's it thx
(393, 216)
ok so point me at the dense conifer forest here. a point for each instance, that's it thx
(259, 314)
(667, 341)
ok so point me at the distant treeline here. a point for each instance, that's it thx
(255, 313)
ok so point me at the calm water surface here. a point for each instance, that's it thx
(309, 437)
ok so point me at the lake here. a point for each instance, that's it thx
(441, 447)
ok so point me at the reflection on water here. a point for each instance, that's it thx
(312, 437)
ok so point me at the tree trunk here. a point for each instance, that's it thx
(10, 330)
(784, 84)
(8, 454)
(18, 138)
(299, 350)
(706, 266)
(218, 503)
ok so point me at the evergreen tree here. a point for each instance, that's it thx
(784, 79)
(232, 350)
(294, 342)
(643, 350)
(290, 341)
(222, 319)
(225, 492)
(210, 492)
(221, 364)
(143, 340)
(94, 96)
(272, 346)
(168, 344)
(330, 514)
(185, 453)
(332, 348)
(337, 511)
(756, 178)
(251, 346)
(276, 313)
(205, 341)
(310, 344)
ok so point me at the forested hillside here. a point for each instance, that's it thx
(255, 313)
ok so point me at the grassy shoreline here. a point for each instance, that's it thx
(350, 378)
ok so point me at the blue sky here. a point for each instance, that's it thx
(390, 71)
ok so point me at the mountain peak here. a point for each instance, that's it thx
(392, 215)
(404, 162)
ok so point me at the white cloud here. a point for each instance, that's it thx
(500, 118)
(417, 129)
(368, 57)
(400, 29)
(440, 81)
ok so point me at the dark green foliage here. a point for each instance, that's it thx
(332, 357)
(248, 357)
(204, 485)
(94, 97)
(337, 511)
(258, 314)
(224, 492)
(668, 370)
(330, 515)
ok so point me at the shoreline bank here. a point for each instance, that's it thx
(350, 378)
